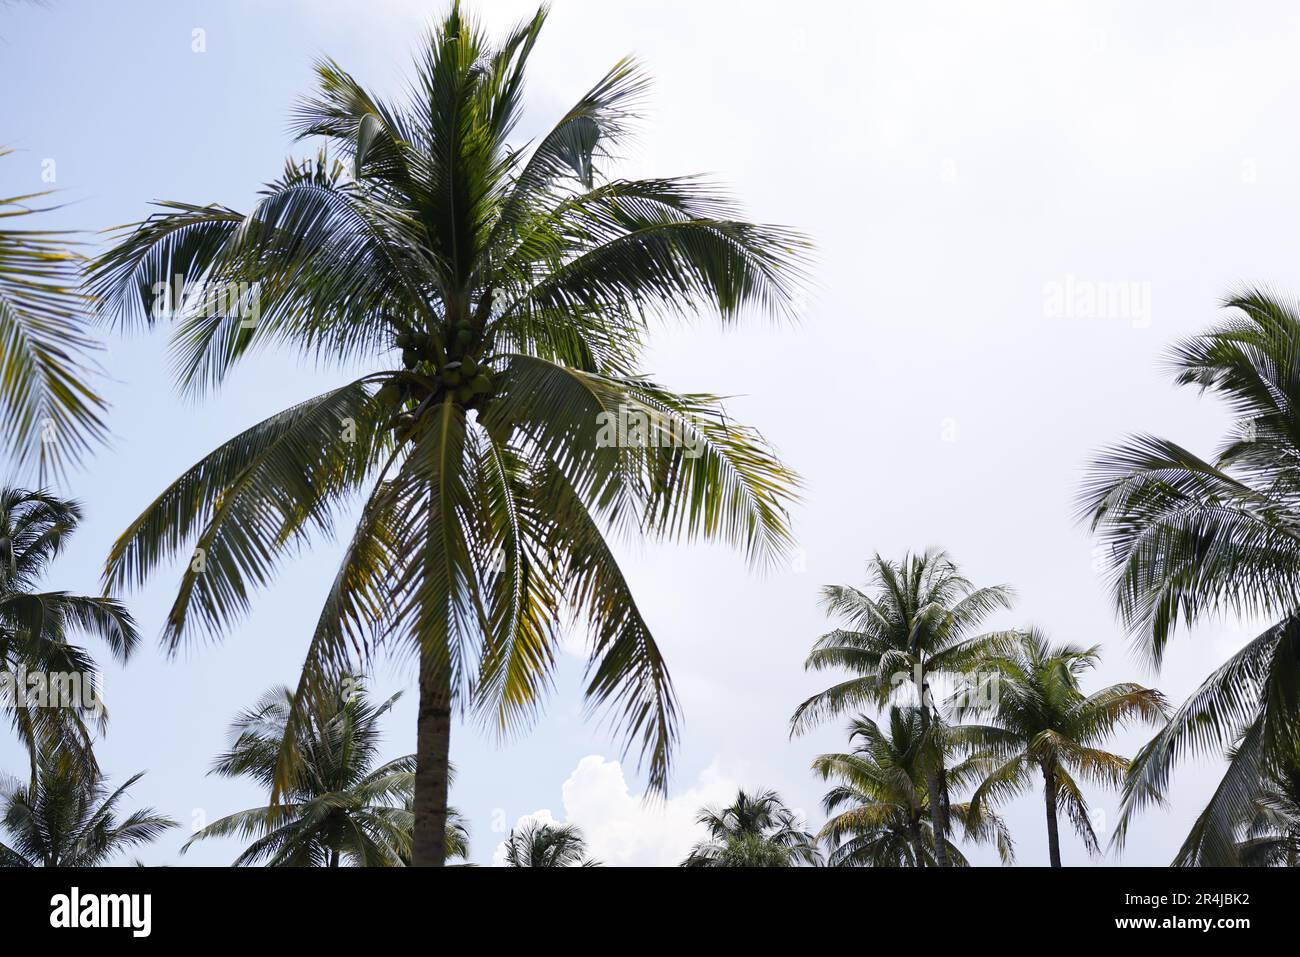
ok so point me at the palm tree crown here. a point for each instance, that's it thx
(517, 285)
(67, 817)
(754, 830)
(36, 627)
(539, 844)
(1043, 724)
(345, 805)
(880, 812)
(1187, 537)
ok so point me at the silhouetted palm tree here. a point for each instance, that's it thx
(519, 285)
(754, 830)
(38, 662)
(66, 817)
(916, 624)
(538, 844)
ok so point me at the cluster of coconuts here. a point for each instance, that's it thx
(454, 372)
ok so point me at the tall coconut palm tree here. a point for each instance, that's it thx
(754, 830)
(915, 626)
(1187, 538)
(66, 817)
(344, 806)
(50, 409)
(880, 813)
(49, 686)
(516, 431)
(1043, 724)
(539, 844)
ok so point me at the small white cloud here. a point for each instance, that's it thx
(623, 829)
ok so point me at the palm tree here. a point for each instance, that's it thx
(66, 817)
(539, 844)
(51, 413)
(880, 813)
(1044, 724)
(515, 432)
(37, 660)
(1268, 835)
(1271, 837)
(344, 805)
(755, 830)
(1187, 538)
(917, 625)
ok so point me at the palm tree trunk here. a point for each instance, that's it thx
(1053, 836)
(938, 815)
(334, 858)
(432, 750)
(918, 842)
(937, 784)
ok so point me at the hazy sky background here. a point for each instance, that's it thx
(957, 165)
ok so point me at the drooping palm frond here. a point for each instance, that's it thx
(52, 414)
(1187, 537)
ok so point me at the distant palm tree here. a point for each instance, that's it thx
(754, 830)
(880, 813)
(547, 845)
(917, 624)
(517, 430)
(51, 414)
(343, 805)
(37, 658)
(66, 817)
(1187, 539)
(1043, 724)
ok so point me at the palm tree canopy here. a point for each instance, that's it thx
(344, 802)
(1042, 721)
(518, 283)
(755, 830)
(879, 810)
(1186, 537)
(539, 844)
(51, 413)
(67, 817)
(916, 618)
(37, 626)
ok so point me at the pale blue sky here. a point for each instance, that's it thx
(952, 162)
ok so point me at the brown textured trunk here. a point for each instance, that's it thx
(432, 750)
(1053, 836)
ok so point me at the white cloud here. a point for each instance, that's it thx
(624, 829)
